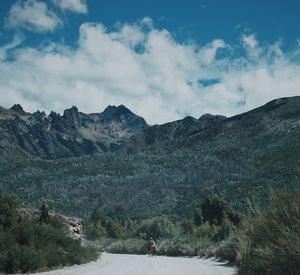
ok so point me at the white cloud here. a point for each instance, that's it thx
(208, 53)
(250, 41)
(145, 69)
(5, 48)
(78, 6)
(32, 15)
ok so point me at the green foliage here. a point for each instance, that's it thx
(128, 246)
(30, 244)
(270, 241)
(158, 227)
(8, 210)
(115, 230)
(95, 231)
(227, 250)
(215, 233)
(187, 227)
(198, 218)
(44, 217)
(215, 210)
(180, 247)
(96, 216)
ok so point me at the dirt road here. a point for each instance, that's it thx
(119, 264)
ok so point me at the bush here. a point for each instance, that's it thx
(8, 210)
(270, 242)
(129, 246)
(214, 232)
(227, 250)
(158, 227)
(95, 231)
(178, 247)
(31, 244)
(115, 230)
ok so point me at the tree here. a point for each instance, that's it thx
(96, 216)
(214, 210)
(8, 210)
(44, 215)
(115, 230)
(198, 218)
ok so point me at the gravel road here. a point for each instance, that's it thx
(120, 264)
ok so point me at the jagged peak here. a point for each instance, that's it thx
(40, 113)
(117, 110)
(72, 110)
(53, 114)
(17, 108)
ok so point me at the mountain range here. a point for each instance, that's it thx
(71, 134)
(116, 162)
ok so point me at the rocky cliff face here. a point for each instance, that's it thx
(71, 134)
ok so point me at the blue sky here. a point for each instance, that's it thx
(162, 59)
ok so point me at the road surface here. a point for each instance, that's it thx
(120, 264)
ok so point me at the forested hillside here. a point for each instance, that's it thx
(237, 158)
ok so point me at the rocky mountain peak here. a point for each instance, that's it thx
(72, 110)
(17, 108)
(39, 114)
(113, 111)
(72, 117)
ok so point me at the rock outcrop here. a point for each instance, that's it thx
(74, 225)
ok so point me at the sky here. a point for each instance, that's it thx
(163, 59)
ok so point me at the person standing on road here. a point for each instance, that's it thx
(152, 248)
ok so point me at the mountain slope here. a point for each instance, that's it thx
(238, 158)
(172, 130)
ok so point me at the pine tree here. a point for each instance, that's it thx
(44, 215)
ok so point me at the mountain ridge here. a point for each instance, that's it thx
(72, 134)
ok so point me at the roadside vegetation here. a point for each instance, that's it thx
(264, 241)
(207, 232)
(269, 242)
(36, 244)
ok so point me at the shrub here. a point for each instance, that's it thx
(214, 232)
(227, 250)
(115, 230)
(158, 227)
(8, 210)
(95, 231)
(270, 242)
(187, 227)
(129, 246)
(30, 244)
(177, 247)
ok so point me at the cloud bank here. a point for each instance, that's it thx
(147, 70)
